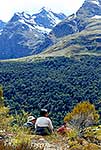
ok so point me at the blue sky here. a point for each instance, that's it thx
(9, 7)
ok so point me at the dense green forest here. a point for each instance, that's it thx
(57, 84)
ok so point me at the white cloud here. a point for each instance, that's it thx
(8, 7)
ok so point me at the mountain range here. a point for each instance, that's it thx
(50, 34)
(23, 34)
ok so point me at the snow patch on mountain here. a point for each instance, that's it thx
(42, 29)
(95, 2)
(27, 16)
(23, 22)
(23, 15)
(11, 36)
(97, 17)
(54, 19)
(33, 26)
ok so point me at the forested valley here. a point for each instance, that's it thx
(57, 84)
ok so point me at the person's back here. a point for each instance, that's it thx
(28, 124)
(43, 125)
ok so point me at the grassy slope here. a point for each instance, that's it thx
(78, 43)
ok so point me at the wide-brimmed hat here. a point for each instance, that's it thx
(30, 118)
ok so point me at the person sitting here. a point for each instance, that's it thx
(30, 122)
(63, 129)
(43, 125)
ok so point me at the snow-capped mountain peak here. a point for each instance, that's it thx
(44, 10)
(44, 20)
(25, 33)
(23, 15)
(17, 16)
(91, 7)
(47, 19)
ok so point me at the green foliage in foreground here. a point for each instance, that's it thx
(54, 83)
(5, 118)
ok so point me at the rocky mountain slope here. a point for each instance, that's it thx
(78, 22)
(78, 34)
(24, 33)
(88, 41)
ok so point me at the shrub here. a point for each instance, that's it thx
(83, 115)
